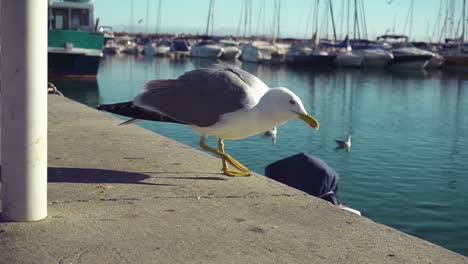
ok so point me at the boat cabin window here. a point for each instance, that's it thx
(69, 19)
(79, 18)
(59, 18)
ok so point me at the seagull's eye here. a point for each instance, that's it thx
(292, 102)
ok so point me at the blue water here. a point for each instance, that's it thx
(409, 160)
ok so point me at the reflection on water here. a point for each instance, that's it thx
(407, 167)
(84, 91)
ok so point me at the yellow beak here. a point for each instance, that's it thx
(310, 120)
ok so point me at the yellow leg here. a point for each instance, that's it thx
(221, 149)
(225, 158)
(226, 169)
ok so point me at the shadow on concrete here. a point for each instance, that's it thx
(208, 178)
(80, 175)
(192, 178)
(86, 175)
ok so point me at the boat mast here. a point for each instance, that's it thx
(347, 18)
(411, 19)
(158, 17)
(147, 15)
(333, 20)
(463, 23)
(316, 17)
(363, 20)
(342, 19)
(130, 26)
(278, 19)
(209, 20)
(356, 21)
(248, 18)
(240, 19)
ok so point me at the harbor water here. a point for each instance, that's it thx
(408, 165)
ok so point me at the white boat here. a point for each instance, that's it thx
(346, 56)
(206, 50)
(373, 53)
(231, 49)
(112, 47)
(162, 48)
(301, 54)
(349, 59)
(127, 45)
(437, 60)
(405, 55)
(376, 58)
(262, 52)
(410, 58)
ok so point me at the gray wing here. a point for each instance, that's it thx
(198, 97)
(248, 78)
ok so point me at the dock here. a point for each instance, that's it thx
(123, 194)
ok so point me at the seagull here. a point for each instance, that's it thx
(272, 133)
(225, 102)
(344, 143)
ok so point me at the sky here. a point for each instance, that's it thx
(190, 16)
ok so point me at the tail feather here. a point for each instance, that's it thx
(128, 109)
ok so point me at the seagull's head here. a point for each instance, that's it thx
(291, 106)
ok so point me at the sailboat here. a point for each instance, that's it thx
(347, 57)
(456, 56)
(310, 53)
(231, 48)
(207, 48)
(265, 51)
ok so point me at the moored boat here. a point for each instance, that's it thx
(376, 58)
(231, 49)
(456, 55)
(206, 49)
(456, 60)
(127, 45)
(162, 48)
(74, 46)
(405, 55)
(260, 52)
(179, 47)
(346, 56)
(411, 58)
(349, 59)
(300, 54)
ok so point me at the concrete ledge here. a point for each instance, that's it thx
(127, 195)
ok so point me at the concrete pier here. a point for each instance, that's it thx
(122, 194)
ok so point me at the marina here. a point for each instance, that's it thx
(396, 194)
(75, 38)
(407, 129)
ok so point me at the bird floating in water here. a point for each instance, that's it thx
(225, 102)
(346, 144)
(272, 133)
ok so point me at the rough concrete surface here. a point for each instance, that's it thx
(122, 194)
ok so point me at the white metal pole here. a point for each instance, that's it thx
(24, 109)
